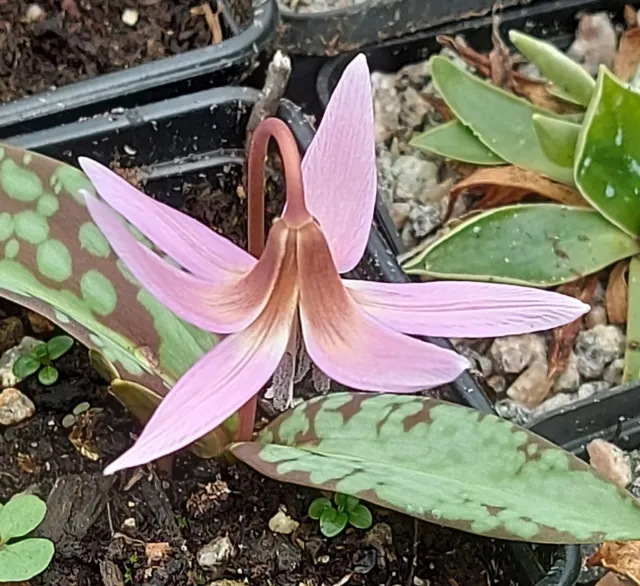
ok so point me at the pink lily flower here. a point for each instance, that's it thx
(354, 331)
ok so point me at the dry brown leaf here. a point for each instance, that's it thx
(626, 61)
(499, 57)
(631, 16)
(439, 105)
(564, 337)
(510, 178)
(537, 93)
(617, 298)
(155, 552)
(620, 556)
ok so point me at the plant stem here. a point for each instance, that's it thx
(279, 131)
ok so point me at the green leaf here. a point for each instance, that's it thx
(40, 352)
(453, 140)
(21, 515)
(632, 350)
(23, 560)
(502, 121)
(58, 346)
(607, 169)
(559, 93)
(318, 506)
(558, 138)
(540, 245)
(55, 261)
(360, 517)
(567, 75)
(48, 375)
(25, 366)
(443, 463)
(345, 502)
(333, 522)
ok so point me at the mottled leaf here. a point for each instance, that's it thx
(21, 515)
(502, 121)
(445, 464)
(48, 375)
(632, 351)
(454, 140)
(607, 169)
(58, 346)
(25, 559)
(567, 75)
(55, 261)
(558, 138)
(532, 244)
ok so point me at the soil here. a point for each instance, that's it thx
(72, 40)
(146, 527)
(315, 6)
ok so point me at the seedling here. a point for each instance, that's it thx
(22, 559)
(333, 520)
(42, 356)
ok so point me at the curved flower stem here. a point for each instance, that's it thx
(295, 212)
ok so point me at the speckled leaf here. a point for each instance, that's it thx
(531, 244)
(502, 121)
(558, 138)
(446, 464)
(454, 140)
(567, 75)
(607, 169)
(55, 261)
(23, 560)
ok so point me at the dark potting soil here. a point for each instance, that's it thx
(145, 527)
(62, 41)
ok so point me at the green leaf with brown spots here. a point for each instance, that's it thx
(445, 464)
(500, 120)
(539, 245)
(607, 169)
(55, 261)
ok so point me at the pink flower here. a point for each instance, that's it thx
(354, 331)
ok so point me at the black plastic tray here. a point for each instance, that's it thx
(218, 65)
(202, 135)
(373, 21)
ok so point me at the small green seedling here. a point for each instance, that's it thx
(333, 520)
(22, 559)
(42, 356)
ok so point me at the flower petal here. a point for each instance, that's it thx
(217, 307)
(464, 309)
(220, 382)
(339, 168)
(192, 245)
(350, 346)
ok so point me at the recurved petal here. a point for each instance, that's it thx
(190, 243)
(351, 347)
(339, 168)
(463, 309)
(221, 307)
(218, 384)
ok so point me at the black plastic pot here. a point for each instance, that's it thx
(202, 135)
(370, 22)
(218, 65)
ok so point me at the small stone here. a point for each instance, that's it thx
(8, 359)
(282, 523)
(400, 213)
(227, 583)
(610, 461)
(15, 407)
(413, 176)
(498, 383)
(597, 316)
(569, 380)
(532, 386)
(512, 354)
(386, 181)
(417, 73)
(216, 554)
(129, 523)
(555, 402)
(11, 332)
(613, 372)
(386, 105)
(156, 551)
(596, 42)
(613, 579)
(513, 411)
(34, 13)
(130, 16)
(588, 389)
(597, 347)
(414, 108)
(39, 323)
(424, 219)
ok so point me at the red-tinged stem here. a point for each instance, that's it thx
(295, 214)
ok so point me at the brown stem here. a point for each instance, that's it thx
(279, 131)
